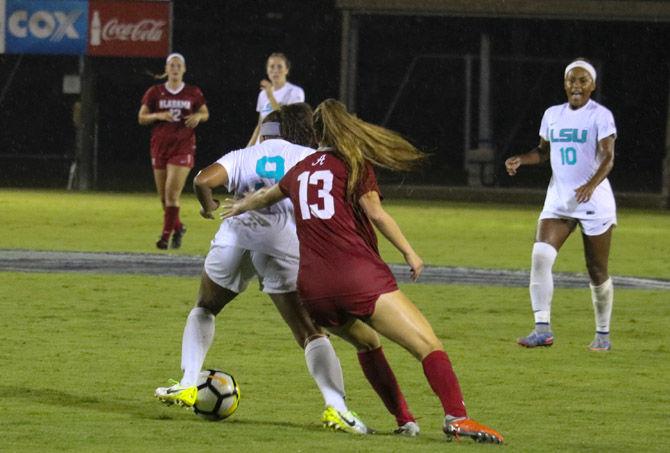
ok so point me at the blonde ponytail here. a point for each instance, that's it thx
(357, 141)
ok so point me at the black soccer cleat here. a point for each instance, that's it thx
(176, 237)
(162, 244)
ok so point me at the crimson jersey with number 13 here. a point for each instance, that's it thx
(338, 246)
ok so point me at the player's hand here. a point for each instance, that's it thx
(415, 265)
(207, 213)
(164, 116)
(512, 164)
(192, 120)
(230, 208)
(583, 193)
(266, 85)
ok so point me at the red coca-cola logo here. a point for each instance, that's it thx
(149, 30)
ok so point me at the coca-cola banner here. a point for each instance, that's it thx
(129, 28)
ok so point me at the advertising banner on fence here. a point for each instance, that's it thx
(45, 26)
(133, 29)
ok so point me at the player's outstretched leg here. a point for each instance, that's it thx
(455, 428)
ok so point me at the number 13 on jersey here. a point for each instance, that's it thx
(324, 179)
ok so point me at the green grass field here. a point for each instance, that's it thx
(81, 353)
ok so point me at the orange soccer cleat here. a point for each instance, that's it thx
(467, 427)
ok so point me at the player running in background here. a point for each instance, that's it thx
(578, 137)
(276, 91)
(265, 243)
(336, 201)
(174, 109)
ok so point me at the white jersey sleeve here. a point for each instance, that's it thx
(605, 123)
(232, 162)
(261, 101)
(544, 125)
(295, 95)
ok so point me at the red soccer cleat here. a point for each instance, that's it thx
(469, 428)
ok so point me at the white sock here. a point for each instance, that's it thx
(324, 366)
(541, 281)
(603, 298)
(198, 336)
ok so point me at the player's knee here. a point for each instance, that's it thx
(171, 199)
(543, 257)
(598, 273)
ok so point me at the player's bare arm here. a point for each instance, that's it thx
(606, 152)
(254, 135)
(261, 198)
(269, 91)
(381, 219)
(207, 179)
(535, 156)
(201, 116)
(145, 117)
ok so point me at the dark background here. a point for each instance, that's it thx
(226, 44)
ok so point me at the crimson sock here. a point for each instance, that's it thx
(169, 217)
(443, 381)
(381, 377)
(177, 222)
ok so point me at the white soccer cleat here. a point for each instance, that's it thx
(409, 429)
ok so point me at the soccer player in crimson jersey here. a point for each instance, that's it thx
(174, 109)
(336, 201)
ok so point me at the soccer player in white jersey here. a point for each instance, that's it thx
(578, 137)
(276, 91)
(263, 243)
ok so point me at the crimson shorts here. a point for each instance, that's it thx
(336, 311)
(180, 153)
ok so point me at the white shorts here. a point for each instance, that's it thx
(233, 268)
(590, 227)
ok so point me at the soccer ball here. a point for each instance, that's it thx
(218, 395)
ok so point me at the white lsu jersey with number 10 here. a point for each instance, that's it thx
(574, 136)
(270, 230)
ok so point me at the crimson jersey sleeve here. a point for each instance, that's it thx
(150, 98)
(368, 182)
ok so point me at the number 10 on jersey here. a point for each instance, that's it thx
(568, 156)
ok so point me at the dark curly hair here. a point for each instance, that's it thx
(297, 124)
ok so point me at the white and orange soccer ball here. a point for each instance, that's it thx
(218, 395)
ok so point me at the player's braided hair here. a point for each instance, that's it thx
(357, 141)
(297, 124)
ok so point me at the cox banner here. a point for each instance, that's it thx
(44, 26)
(121, 28)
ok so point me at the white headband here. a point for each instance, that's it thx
(581, 64)
(175, 55)
(270, 129)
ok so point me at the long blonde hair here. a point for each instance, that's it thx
(357, 141)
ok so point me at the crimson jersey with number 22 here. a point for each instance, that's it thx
(338, 247)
